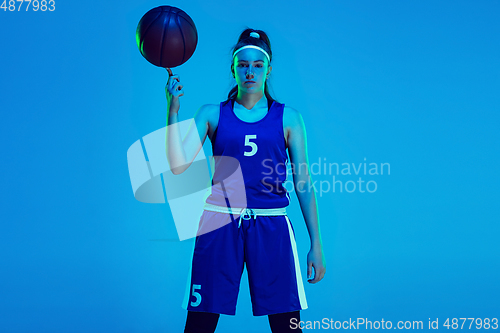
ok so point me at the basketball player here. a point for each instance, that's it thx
(256, 130)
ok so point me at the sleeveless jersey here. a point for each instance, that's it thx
(260, 151)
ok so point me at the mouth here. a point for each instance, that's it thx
(249, 82)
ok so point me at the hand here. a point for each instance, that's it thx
(316, 259)
(173, 90)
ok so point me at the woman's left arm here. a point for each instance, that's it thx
(297, 149)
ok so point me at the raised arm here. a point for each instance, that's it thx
(181, 152)
(297, 149)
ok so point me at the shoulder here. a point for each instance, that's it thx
(208, 109)
(207, 112)
(292, 118)
(293, 125)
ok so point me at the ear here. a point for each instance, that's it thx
(232, 69)
(269, 70)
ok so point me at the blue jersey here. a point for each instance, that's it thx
(260, 149)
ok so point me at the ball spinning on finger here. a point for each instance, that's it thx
(174, 78)
(166, 36)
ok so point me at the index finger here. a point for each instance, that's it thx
(169, 71)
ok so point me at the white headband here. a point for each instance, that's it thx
(252, 47)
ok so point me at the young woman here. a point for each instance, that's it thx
(250, 127)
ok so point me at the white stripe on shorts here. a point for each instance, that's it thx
(298, 276)
(187, 294)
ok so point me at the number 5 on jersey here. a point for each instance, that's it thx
(253, 145)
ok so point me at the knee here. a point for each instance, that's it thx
(285, 322)
(201, 322)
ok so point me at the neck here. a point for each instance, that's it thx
(249, 100)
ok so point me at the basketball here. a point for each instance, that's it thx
(166, 36)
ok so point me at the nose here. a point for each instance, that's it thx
(249, 73)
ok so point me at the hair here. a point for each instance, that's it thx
(262, 42)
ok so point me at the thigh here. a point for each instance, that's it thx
(216, 268)
(273, 266)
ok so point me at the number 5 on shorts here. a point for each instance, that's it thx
(197, 295)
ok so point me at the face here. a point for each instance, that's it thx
(250, 69)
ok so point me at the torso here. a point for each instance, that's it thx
(251, 140)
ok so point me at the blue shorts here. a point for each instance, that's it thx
(266, 244)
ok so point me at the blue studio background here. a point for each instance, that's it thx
(410, 83)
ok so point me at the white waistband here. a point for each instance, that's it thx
(246, 213)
